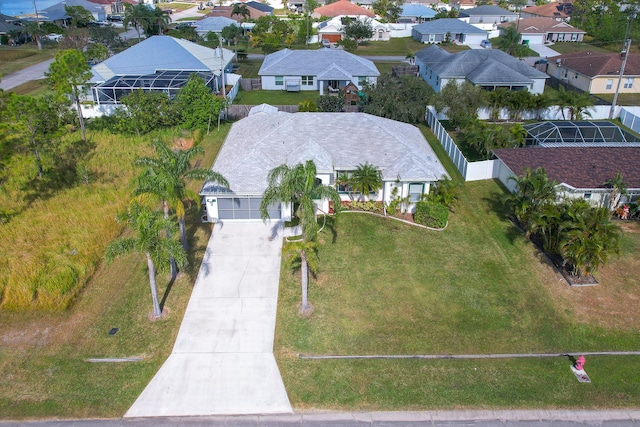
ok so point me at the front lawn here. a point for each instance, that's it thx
(563, 48)
(386, 288)
(14, 58)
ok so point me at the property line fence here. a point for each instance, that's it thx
(446, 141)
(630, 117)
(251, 84)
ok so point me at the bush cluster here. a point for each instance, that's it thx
(431, 214)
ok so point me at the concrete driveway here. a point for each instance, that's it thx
(222, 361)
(543, 50)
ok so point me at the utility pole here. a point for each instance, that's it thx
(626, 51)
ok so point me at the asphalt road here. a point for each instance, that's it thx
(25, 75)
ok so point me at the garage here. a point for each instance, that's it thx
(246, 207)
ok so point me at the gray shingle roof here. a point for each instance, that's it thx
(444, 25)
(483, 64)
(315, 62)
(486, 10)
(334, 141)
(214, 23)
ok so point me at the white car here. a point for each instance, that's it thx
(54, 37)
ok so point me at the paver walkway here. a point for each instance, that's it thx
(222, 361)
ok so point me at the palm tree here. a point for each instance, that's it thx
(533, 190)
(241, 10)
(298, 184)
(366, 179)
(540, 103)
(151, 241)
(509, 41)
(156, 21)
(618, 189)
(302, 255)
(496, 100)
(578, 104)
(135, 15)
(36, 30)
(165, 178)
(518, 102)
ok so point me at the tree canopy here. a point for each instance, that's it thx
(404, 99)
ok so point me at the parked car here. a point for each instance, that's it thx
(54, 37)
(486, 44)
(326, 43)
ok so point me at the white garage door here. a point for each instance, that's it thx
(244, 208)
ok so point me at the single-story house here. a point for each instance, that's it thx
(7, 27)
(322, 69)
(452, 29)
(158, 63)
(336, 142)
(560, 11)
(333, 29)
(100, 9)
(487, 17)
(341, 8)
(545, 30)
(581, 172)
(416, 13)
(214, 24)
(596, 72)
(261, 7)
(487, 68)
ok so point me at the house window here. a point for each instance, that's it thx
(432, 38)
(587, 196)
(628, 83)
(609, 84)
(566, 73)
(362, 80)
(430, 73)
(415, 192)
(380, 35)
(279, 81)
(576, 76)
(307, 80)
(341, 181)
(437, 81)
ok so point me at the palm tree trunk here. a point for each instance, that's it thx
(154, 290)
(183, 233)
(304, 270)
(172, 260)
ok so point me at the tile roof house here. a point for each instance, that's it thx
(596, 72)
(158, 63)
(487, 68)
(545, 30)
(580, 171)
(415, 12)
(336, 142)
(322, 70)
(333, 29)
(560, 11)
(341, 7)
(487, 17)
(457, 31)
(213, 24)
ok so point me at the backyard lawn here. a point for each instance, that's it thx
(386, 288)
(13, 59)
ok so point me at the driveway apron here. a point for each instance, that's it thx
(222, 362)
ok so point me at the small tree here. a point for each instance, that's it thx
(68, 75)
(618, 189)
(196, 105)
(404, 99)
(144, 112)
(302, 255)
(80, 16)
(151, 241)
(460, 102)
(358, 30)
(366, 179)
(331, 104)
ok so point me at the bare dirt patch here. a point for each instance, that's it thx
(183, 143)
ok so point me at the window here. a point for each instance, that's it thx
(362, 80)
(437, 81)
(342, 178)
(628, 83)
(432, 38)
(609, 84)
(587, 196)
(576, 76)
(307, 80)
(415, 192)
(279, 81)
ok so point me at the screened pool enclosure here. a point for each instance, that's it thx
(579, 133)
(166, 81)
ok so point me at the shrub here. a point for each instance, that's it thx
(431, 214)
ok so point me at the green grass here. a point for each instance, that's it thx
(477, 287)
(44, 372)
(33, 88)
(274, 97)
(629, 99)
(563, 48)
(16, 58)
(397, 46)
(249, 68)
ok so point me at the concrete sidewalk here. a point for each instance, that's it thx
(222, 361)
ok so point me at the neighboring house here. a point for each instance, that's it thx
(560, 11)
(462, 4)
(487, 17)
(226, 11)
(336, 142)
(6, 27)
(545, 30)
(454, 30)
(581, 172)
(321, 70)
(213, 24)
(487, 68)
(596, 72)
(333, 29)
(416, 13)
(159, 63)
(341, 8)
(98, 8)
(260, 7)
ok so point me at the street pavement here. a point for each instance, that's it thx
(34, 72)
(481, 418)
(222, 361)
